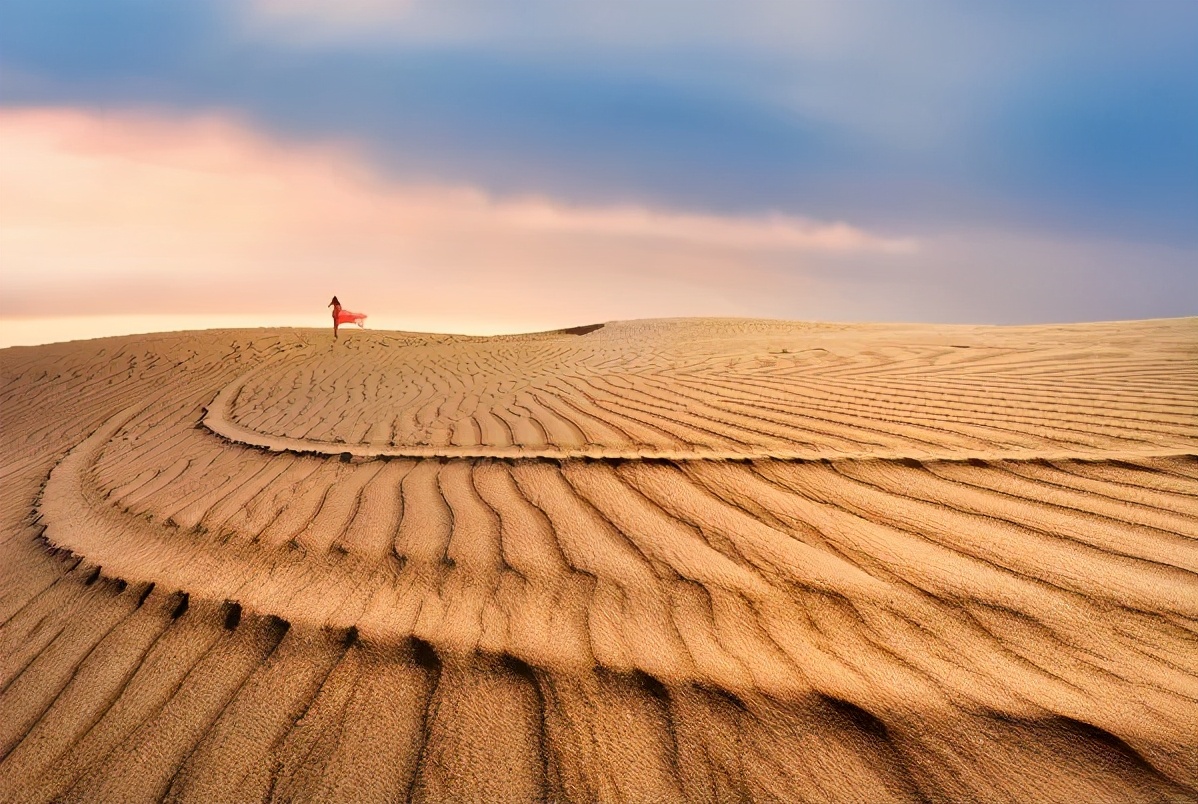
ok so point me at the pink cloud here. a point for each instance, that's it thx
(135, 213)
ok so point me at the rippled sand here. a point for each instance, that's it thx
(708, 560)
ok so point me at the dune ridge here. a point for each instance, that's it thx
(648, 561)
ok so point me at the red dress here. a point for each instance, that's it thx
(346, 317)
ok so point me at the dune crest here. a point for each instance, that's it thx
(648, 561)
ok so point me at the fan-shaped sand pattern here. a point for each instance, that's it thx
(755, 389)
(653, 562)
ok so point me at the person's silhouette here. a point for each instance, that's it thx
(341, 316)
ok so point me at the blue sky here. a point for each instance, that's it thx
(1043, 155)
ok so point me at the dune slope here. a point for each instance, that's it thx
(709, 560)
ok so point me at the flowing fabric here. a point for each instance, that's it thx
(346, 317)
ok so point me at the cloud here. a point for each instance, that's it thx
(928, 114)
(770, 232)
(201, 218)
(143, 214)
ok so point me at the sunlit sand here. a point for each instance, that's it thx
(694, 559)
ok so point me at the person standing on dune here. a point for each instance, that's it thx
(345, 316)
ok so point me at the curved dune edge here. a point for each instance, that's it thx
(216, 420)
(94, 530)
(76, 518)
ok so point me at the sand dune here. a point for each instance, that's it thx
(707, 560)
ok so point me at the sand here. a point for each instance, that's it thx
(705, 560)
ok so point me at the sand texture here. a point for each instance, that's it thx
(703, 560)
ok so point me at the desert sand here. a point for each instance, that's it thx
(704, 560)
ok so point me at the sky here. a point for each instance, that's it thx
(511, 165)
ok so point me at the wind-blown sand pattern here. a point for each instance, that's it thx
(651, 561)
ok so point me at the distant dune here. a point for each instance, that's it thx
(705, 560)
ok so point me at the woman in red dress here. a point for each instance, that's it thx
(345, 316)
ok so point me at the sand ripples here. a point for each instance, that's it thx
(659, 560)
(623, 392)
